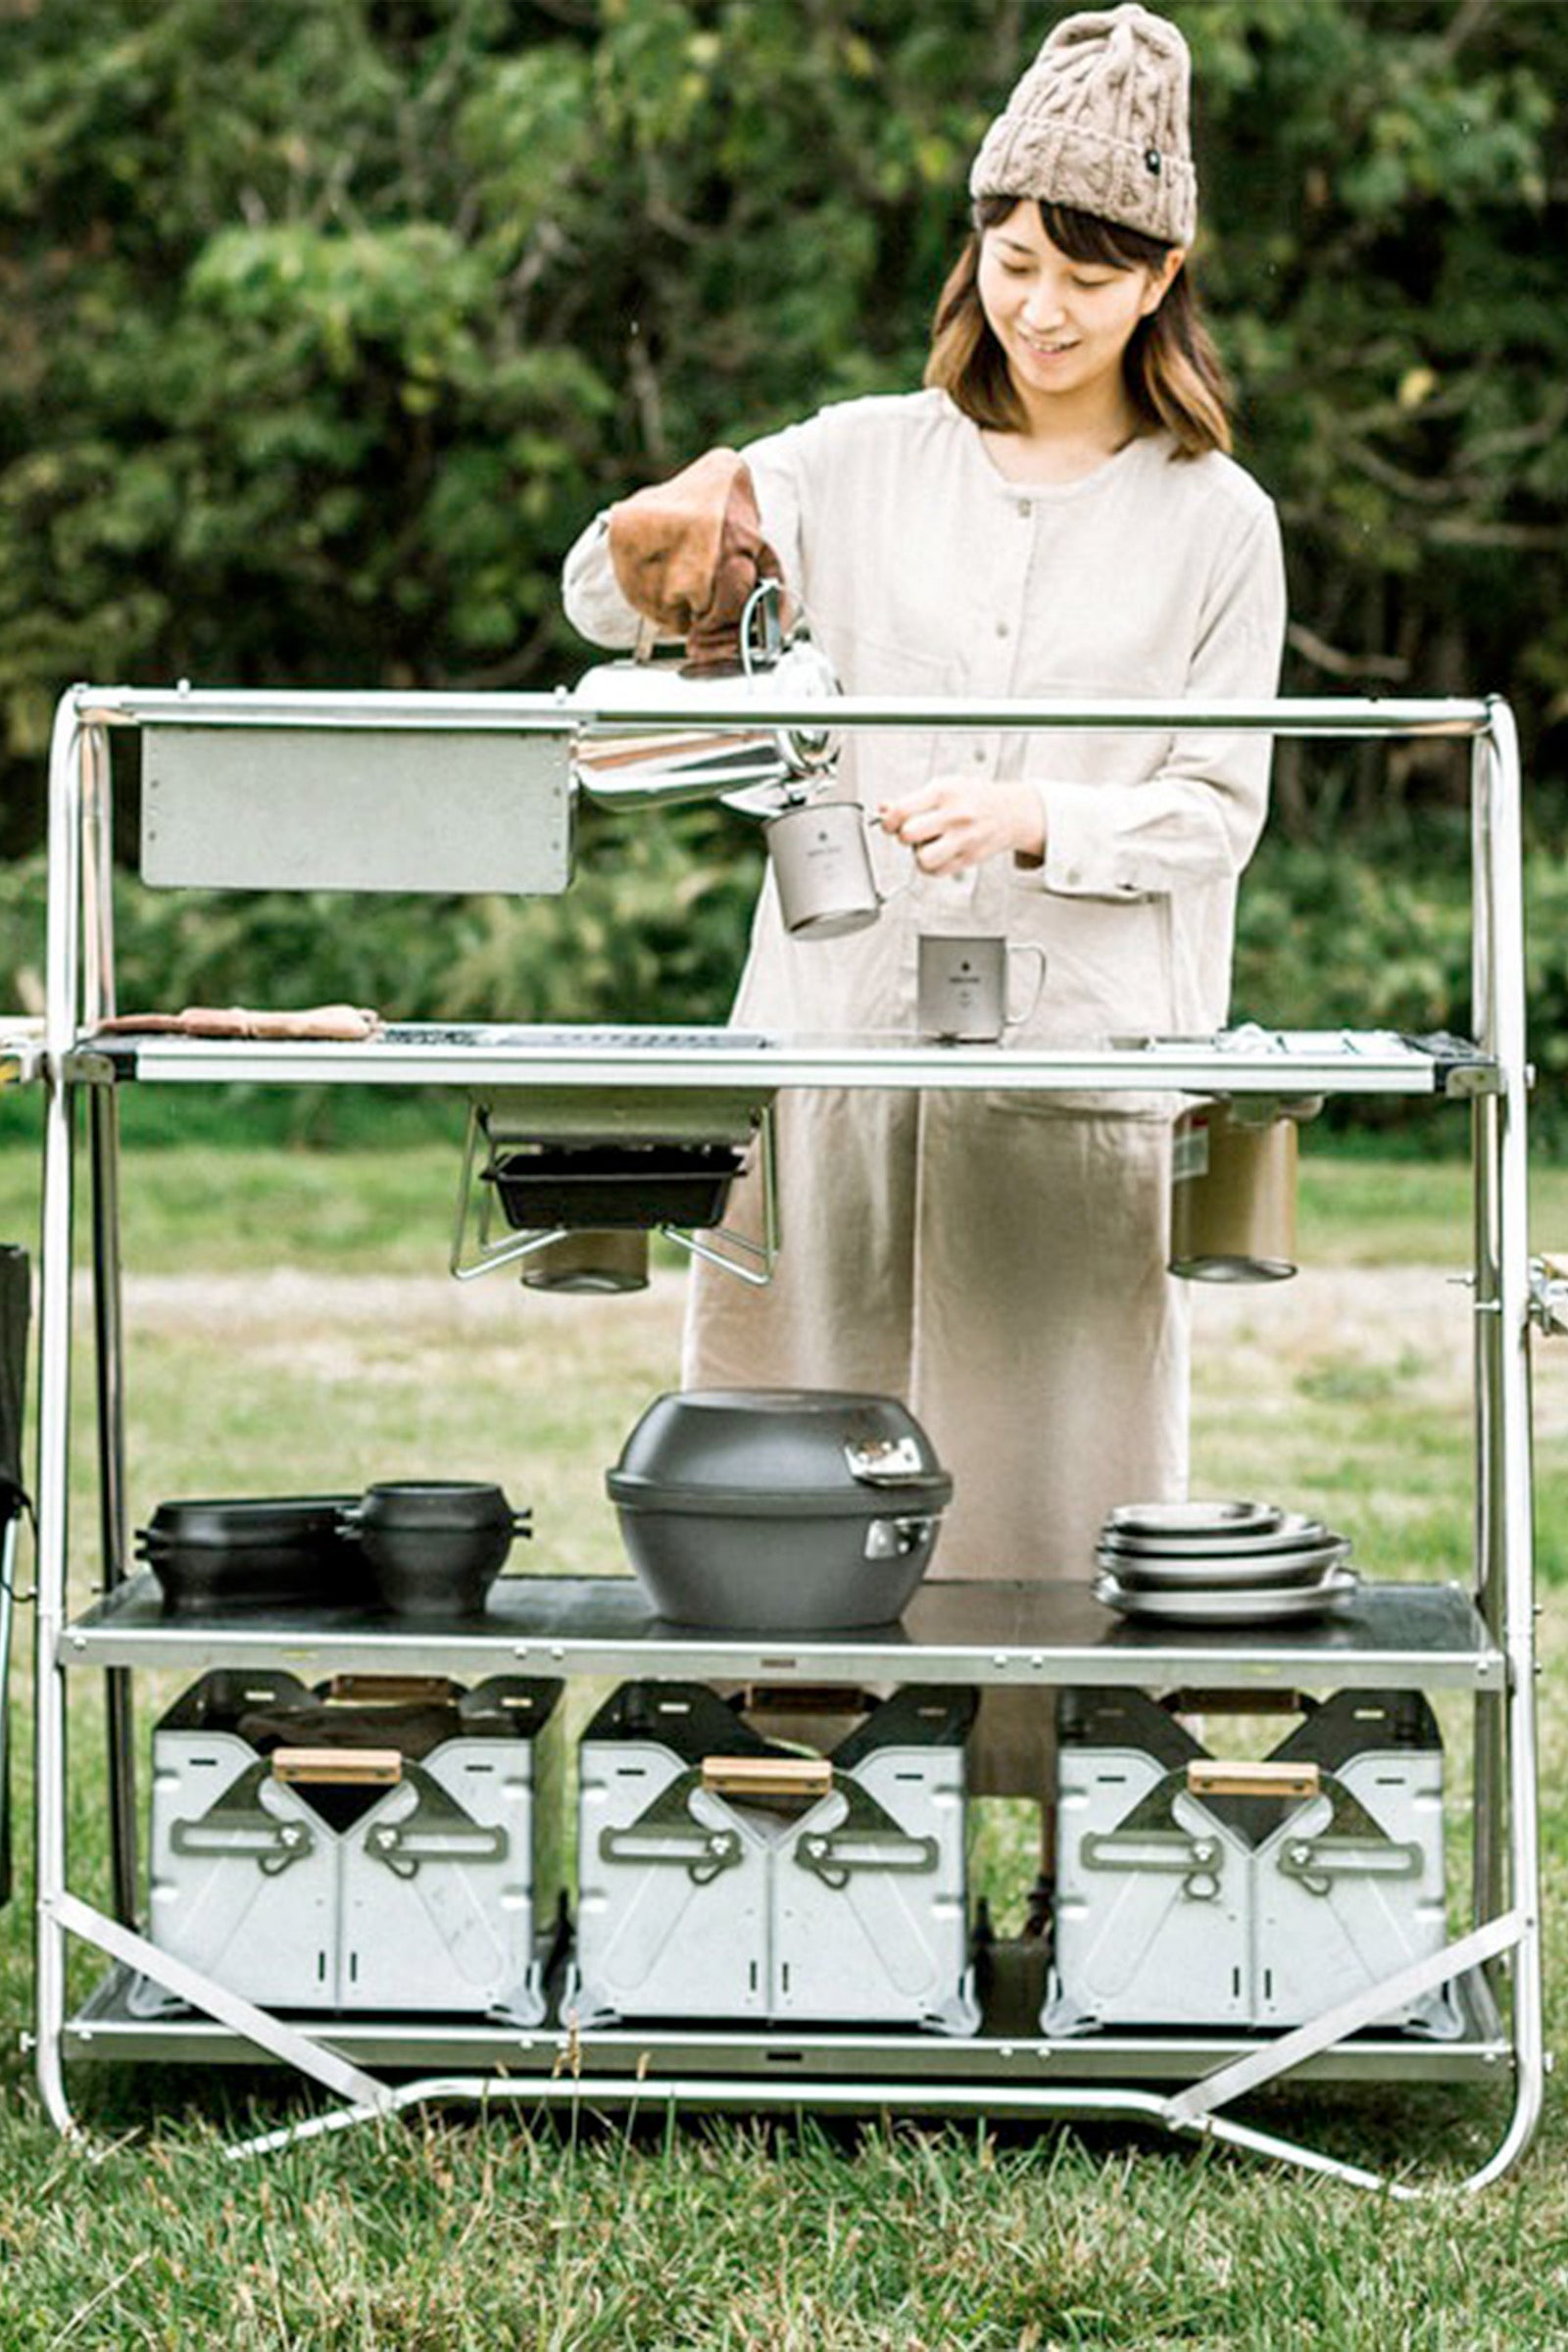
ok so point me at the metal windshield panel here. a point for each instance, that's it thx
(256, 808)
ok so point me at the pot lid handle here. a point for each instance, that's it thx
(887, 1461)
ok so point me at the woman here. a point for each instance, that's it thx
(1054, 515)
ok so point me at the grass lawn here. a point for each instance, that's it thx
(292, 1326)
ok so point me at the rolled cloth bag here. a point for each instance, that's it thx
(688, 553)
(16, 1306)
(15, 1314)
(351, 1024)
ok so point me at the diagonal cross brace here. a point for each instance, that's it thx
(298, 2050)
(1242, 2075)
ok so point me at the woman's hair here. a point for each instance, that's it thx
(1173, 371)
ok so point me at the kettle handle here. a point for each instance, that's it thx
(763, 609)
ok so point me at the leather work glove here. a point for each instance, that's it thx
(688, 553)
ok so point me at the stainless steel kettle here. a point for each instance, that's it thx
(621, 759)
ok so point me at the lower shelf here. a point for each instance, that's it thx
(1008, 2052)
(1396, 1636)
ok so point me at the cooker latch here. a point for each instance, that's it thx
(885, 1461)
(896, 1538)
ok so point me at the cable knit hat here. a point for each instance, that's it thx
(1100, 122)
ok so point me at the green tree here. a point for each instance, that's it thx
(1389, 195)
(326, 323)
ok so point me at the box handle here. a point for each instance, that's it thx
(343, 1767)
(1210, 1776)
(767, 1775)
(391, 1689)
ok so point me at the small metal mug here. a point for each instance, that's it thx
(822, 868)
(961, 988)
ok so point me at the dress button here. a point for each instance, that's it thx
(1025, 508)
(1002, 628)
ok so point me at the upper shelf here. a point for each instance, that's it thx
(486, 1056)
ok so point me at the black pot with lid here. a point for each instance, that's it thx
(253, 1551)
(434, 1546)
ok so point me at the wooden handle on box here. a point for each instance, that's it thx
(767, 1775)
(807, 1698)
(1213, 1778)
(343, 1767)
(390, 1690)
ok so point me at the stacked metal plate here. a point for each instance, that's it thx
(1227, 1562)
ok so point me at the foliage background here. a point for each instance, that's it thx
(326, 325)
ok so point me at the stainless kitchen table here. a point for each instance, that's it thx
(1478, 1640)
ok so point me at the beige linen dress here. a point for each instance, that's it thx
(998, 1260)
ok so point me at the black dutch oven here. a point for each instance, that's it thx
(779, 1510)
(264, 1551)
(433, 1547)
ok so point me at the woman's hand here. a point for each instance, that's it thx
(954, 824)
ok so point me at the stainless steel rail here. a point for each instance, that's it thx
(1283, 1064)
(1506, 1932)
(1329, 715)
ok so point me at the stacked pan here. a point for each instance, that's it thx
(1228, 1562)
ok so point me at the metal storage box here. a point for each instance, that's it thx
(723, 1877)
(1205, 1894)
(354, 1878)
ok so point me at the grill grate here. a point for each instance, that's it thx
(489, 1036)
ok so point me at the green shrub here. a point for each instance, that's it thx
(654, 927)
(1331, 937)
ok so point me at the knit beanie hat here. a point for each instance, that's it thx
(1100, 122)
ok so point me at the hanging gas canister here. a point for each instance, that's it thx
(1233, 1192)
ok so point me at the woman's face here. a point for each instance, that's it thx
(1062, 325)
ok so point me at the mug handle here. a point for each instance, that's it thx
(885, 897)
(1016, 1020)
